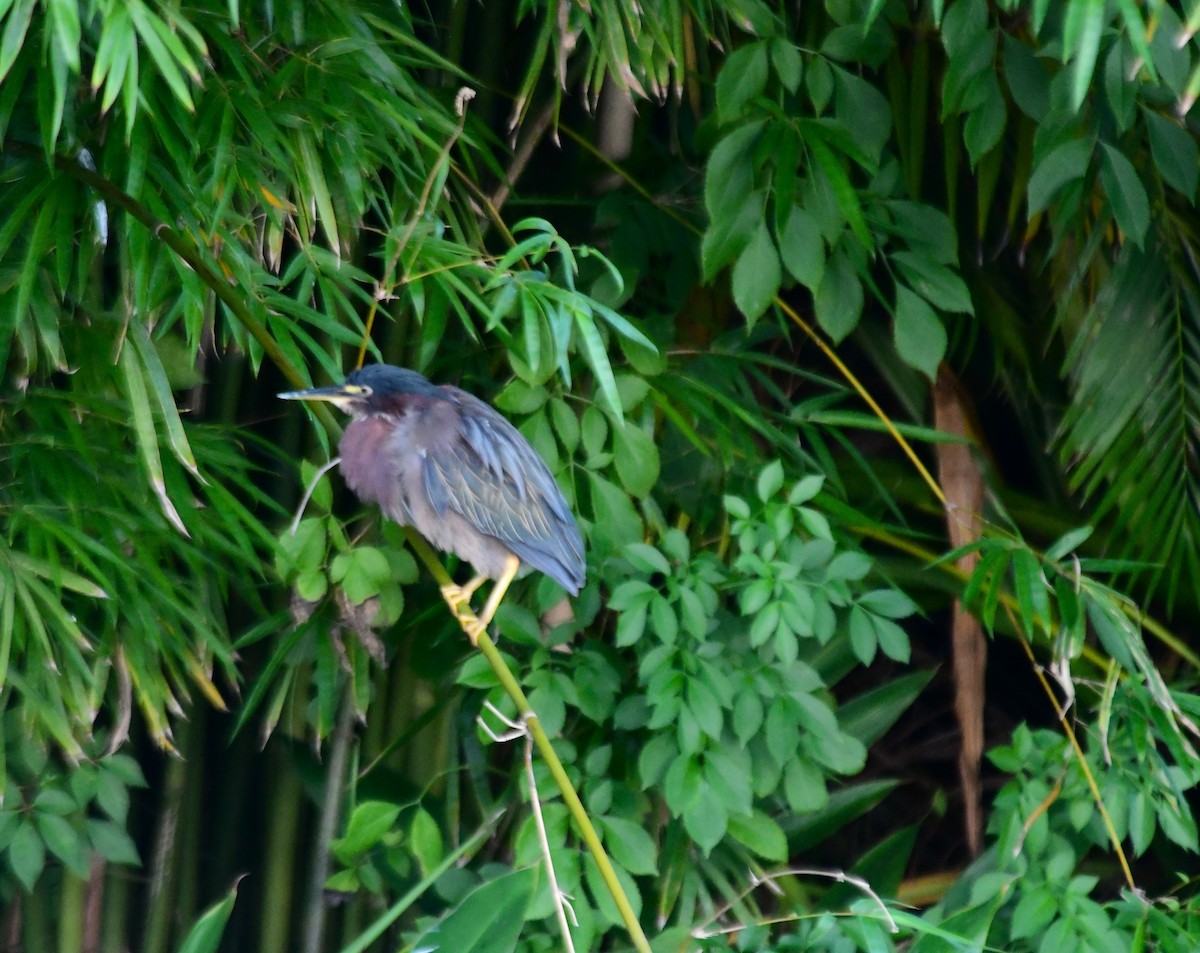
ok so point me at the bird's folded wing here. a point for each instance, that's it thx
(491, 476)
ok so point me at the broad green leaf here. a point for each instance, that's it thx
(26, 854)
(112, 796)
(64, 842)
(844, 192)
(1063, 164)
(369, 822)
(488, 920)
(919, 333)
(705, 819)
(1175, 153)
(757, 274)
(729, 233)
(761, 834)
(864, 110)
(362, 573)
(770, 480)
(819, 83)
(889, 603)
(637, 460)
(426, 839)
(927, 230)
(804, 786)
(985, 121)
(862, 635)
(893, 640)
(521, 398)
(112, 843)
(729, 176)
(802, 249)
(1034, 912)
(938, 284)
(1028, 79)
(789, 65)
(743, 76)
(1126, 193)
(839, 299)
(630, 845)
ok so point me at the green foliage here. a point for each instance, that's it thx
(205, 934)
(60, 813)
(196, 201)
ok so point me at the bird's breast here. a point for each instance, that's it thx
(368, 465)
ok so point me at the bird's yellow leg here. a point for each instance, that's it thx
(459, 597)
(511, 566)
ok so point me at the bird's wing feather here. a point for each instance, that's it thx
(489, 474)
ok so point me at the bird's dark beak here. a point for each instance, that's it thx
(339, 394)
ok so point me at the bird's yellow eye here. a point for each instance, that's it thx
(357, 390)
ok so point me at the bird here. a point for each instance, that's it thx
(439, 459)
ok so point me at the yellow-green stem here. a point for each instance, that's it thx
(574, 805)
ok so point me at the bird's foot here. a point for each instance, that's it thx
(474, 628)
(458, 598)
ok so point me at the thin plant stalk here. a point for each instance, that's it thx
(570, 797)
(331, 812)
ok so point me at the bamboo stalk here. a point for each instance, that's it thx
(72, 892)
(280, 854)
(339, 756)
(114, 929)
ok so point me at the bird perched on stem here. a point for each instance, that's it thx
(445, 463)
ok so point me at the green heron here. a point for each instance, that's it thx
(445, 463)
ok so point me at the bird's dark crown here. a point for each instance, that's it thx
(382, 381)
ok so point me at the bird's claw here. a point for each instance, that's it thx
(459, 599)
(474, 628)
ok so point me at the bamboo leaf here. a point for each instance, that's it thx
(151, 31)
(147, 438)
(205, 935)
(1081, 42)
(16, 25)
(157, 376)
(597, 358)
(314, 176)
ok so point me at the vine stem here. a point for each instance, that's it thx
(527, 715)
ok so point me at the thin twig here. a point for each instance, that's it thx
(387, 284)
(701, 933)
(312, 486)
(519, 729)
